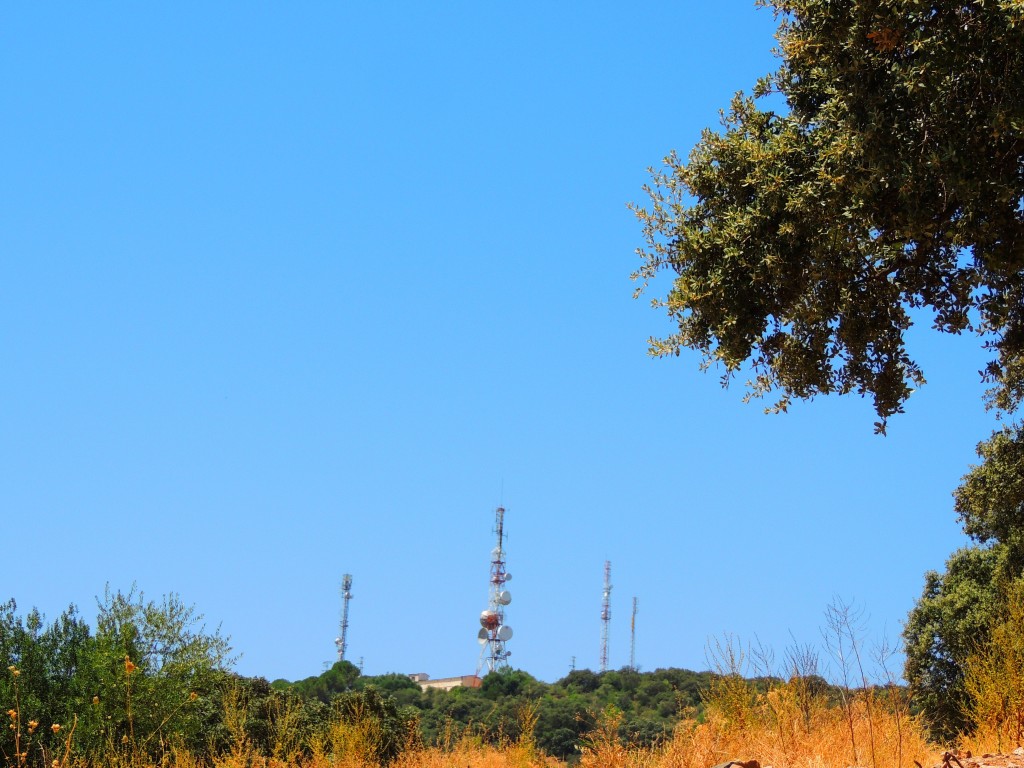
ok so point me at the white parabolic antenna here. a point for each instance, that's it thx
(507, 577)
(504, 597)
(481, 636)
(488, 619)
(504, 632)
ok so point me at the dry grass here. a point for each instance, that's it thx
(823, 741)
(797, 723)
(783, 728)
(355, 744)
(354, 749)
(994, 680)
(774, 731)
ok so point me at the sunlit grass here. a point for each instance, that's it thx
(799, 723)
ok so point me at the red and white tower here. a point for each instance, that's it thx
(494, 632)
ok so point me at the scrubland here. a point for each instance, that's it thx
(798, 723)
(75, 699)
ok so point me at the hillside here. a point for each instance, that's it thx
(652, 703)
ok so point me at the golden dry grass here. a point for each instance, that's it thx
(782, 729)
(786, 726)
(355, 752)
(826, 741)
(823, 741)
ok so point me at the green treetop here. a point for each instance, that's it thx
(801, 240)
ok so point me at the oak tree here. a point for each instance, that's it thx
(802, 239)
(958, 608)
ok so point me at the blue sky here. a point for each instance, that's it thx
(293, 291)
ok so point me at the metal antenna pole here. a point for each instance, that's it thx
(606, 613)
(632, 637)
(346, 594)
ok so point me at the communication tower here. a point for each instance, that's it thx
(346, 594)
(606, 613)
(494, 632)
(632, 637)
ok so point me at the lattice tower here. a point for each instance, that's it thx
(632, 637)
(346, 594)
(606, 613)
(494, 632)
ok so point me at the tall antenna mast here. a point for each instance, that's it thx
(494, 632)
(606, 613)
(346, 594)
(632, 637)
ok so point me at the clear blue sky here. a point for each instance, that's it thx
(290, 291)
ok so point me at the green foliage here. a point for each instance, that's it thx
(149, 675)
(990, 500)
(392, 728)
(39, 679)
(994, 675)
(154, 671)
(801, 240)
(957, 608)
(340, 678)
(131, 684)
(650, 704)
(953, 609)
(511, 683)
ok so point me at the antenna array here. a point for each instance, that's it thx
(494, 632)
(346, 594)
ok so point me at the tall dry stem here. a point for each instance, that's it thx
(994, 680)
(840, 641)
(729, 695)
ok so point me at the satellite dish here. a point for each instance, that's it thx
(504, 632)
(488, 619)
(508, 577)
(504, 597)
(496, 551)
(482, 636)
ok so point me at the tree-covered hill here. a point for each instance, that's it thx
(150, 682)
(651, 702)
